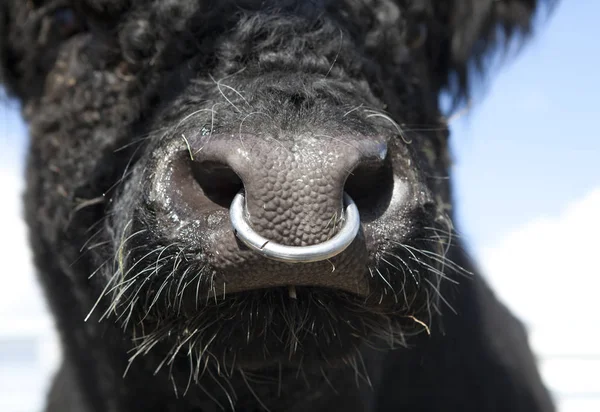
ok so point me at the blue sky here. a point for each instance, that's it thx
(532, 144)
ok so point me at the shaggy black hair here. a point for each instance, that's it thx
(137, 110)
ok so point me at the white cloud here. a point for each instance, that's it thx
(19, 293)
(549, 274)
(29, 349)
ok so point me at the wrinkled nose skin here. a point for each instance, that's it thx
(293, 191)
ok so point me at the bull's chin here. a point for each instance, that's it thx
(283, 326)
(260, 355)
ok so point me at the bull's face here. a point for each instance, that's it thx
(246, 183)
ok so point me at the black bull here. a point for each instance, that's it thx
(148, 118)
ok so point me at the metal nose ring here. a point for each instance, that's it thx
(295, 254)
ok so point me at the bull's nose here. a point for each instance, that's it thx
(292, 206)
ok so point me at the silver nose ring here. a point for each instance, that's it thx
(295, 254)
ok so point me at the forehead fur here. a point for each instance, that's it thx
(461, 34)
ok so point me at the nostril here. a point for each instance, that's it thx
(370, 185)
(218, 182)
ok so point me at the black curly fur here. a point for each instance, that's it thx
(147, 316)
